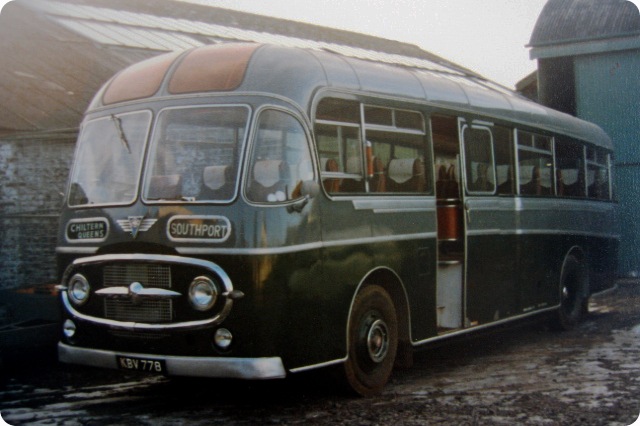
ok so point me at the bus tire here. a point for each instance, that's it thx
(573, 294)
(373, 341)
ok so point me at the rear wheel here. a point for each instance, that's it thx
(373, 341)
(573, 294)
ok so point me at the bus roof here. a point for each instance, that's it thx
(298, 74)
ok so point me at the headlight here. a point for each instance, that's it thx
(78, 289)
(203, 293)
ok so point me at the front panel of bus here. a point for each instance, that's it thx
(193, 229)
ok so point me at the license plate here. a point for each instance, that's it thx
(156, 366)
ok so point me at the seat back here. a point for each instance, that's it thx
(406, 175)
(165, 187)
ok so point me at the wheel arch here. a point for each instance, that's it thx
(391, 282)
(578, 253)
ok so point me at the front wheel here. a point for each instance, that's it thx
(573, 294)
(372, 341)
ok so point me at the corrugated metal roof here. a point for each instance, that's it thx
(564, 21)
(56, 54)
(109, 26)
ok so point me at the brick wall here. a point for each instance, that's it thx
(35, 171)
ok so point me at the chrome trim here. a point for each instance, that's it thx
(320, 365)
(380, 239)
(482, 327)
(128, 325)
(231, 368)
(136, 224)
(309, 246)
(521, 231)
(77, 250)
(250, 251)
(396, 205)
(137, 326)
(565, 232)
(129, 292)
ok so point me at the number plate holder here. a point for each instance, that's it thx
(147, 365)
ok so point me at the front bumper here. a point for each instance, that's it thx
(232, 368)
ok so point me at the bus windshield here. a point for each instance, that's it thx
(195, 154)
(109, 159)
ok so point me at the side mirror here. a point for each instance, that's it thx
(310, 189)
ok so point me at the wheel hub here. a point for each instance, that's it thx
(378, 341)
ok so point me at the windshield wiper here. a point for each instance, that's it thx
(123, 138)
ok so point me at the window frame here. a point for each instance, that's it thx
(248, 161)
(492, 164)
(365, 128)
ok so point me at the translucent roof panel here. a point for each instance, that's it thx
(167, 33)
(99, 33)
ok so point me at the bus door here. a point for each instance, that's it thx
(489, 222)
(451, 253)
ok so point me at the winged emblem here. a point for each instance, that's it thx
(135, 224)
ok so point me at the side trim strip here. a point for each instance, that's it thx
(321, 365)
(232, 368)
(302, 247)
(520, 231)
(482, 327)
(77, 250)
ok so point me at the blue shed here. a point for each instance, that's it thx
(588, 55)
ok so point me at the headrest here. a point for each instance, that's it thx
(354, 165)
(214, 177)
(401, 170)
(329, 164)
(267, 172)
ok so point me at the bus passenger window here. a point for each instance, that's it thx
(354, 181)
(597, 174)
(339, 145)
(535, 164)
(280, 159)
(391, 157)
(398, 162)
(503, 152)
(478, 152)
(406, 175)
(569, 168)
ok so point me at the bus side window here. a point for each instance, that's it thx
(280, 159)
(569, 169)
(353, 168)
(398, 163)
(597, 174)
(503, 154)
(478, 153)
(406, 175)
(535, 164)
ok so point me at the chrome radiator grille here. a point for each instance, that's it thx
(150, 276)
(148, 311)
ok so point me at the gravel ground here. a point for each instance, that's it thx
(520, 375)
